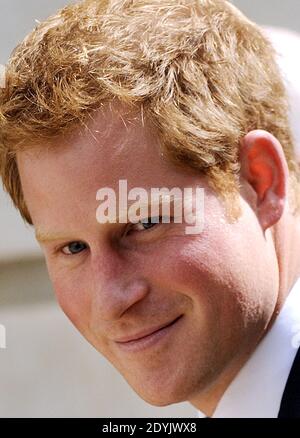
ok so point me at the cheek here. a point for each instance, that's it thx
(197, 260)
(214, 305)
(207, 270)
(73, 298)
(192, 267)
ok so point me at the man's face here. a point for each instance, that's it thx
(219, 286)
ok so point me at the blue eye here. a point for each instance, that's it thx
(150, 222)
(74, 248)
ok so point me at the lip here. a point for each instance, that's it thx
(146, 339)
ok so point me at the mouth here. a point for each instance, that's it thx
(157, 336)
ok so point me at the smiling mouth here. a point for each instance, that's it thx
(150, 339)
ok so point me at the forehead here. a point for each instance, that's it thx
(116, 144)
(111, 136)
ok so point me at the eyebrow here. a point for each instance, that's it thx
(46, 236)
(43, 237)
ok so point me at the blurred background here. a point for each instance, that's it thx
(47, 368)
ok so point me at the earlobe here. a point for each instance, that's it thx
(264, 167)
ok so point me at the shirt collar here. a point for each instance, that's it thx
(257, 389)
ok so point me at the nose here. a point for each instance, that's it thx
(117, 287)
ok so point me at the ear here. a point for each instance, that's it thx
(264, 167)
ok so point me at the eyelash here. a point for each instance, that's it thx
(60, 249)
(146, 221)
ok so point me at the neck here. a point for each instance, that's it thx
(286, 237)
(208, 400)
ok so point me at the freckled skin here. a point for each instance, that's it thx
(223, 281)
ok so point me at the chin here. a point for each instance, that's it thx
(161, 395)
(160, 400)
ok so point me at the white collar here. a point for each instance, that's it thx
(257, 389)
